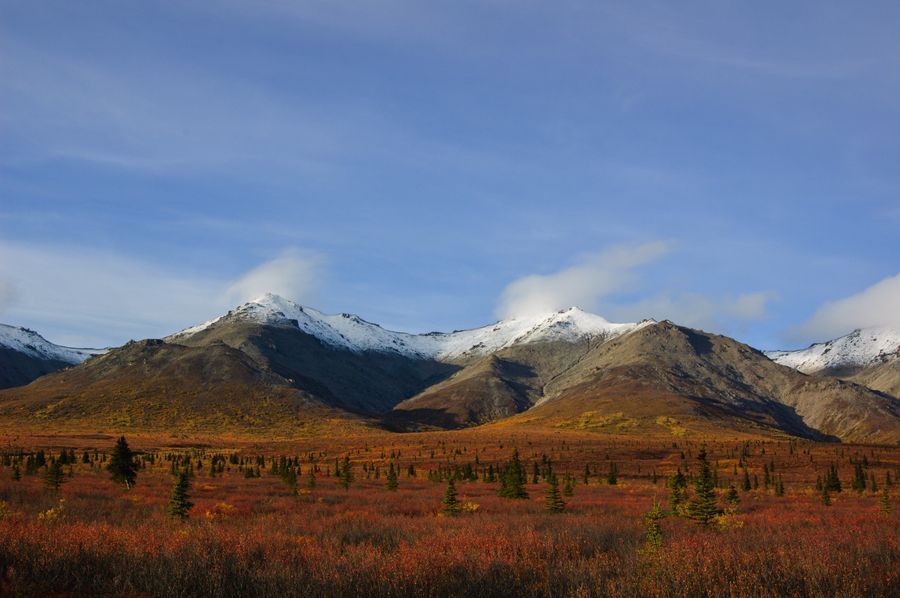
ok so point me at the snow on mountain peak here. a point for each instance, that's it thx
(33, 344)
(349, 331)
(860, 348)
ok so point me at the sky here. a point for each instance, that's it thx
(730, 166)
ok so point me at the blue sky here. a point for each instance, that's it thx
(437, 165)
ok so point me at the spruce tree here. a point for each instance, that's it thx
(779, 486)
(289, 477)
(702, 507)
(345, 474)
(54, 476)
(612, 477)
(17, 473)
(391, 478)
(512, 479)
(450, 502)
(311, 478)
(745, 483)
(569, 485)
(678, 492)
(122, 466)
(826, 497)
(884, 505)
(731, 497)
(553, 502)
(654, 529)
(179, 503)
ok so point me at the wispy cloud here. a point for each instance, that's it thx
(878, 305)
(723, 314)
(595, 277)
(88, 297)
(295, 274)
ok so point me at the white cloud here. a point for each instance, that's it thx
(584, 284)
(85, 297)
(878, 305)
(294, 274)
(718, 314)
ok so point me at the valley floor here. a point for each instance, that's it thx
(250, 536)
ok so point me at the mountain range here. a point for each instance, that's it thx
(272, 366)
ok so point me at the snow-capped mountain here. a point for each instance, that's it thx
(32, 344)
(859, 349)
(351, 332)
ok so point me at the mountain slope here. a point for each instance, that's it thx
(25, 356)
(273, 366)
(662, 378)
(154, 385)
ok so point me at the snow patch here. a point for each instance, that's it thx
(33, 344)
(860, 348)
(351, 332)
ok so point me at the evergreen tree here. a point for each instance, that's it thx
(553, 502)
(391, 478)
(731, 497)
(702, 507)
(832, 482)
(345, 474)
(512, 479)
(745, 484)
(587, 475)
(677, 492)
(569, 486)
(17, 473)
(54, 476)
(654, 529)
(612, 477)
(826, 496)
(122, 466)
(450, 502)
(179, 502)
(779, 486)
(859, 479)
(311, 478)
(289, 477)
(884, 505)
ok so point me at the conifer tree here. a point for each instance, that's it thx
(122, 466)
(779, 486)
(826, 496)
(654, 529)
(569, 486)
(678, 492)
(832, 482)
(450, 502)
(179, 502)
(17, 473)
(311, 478)
(731, 496)
(54, 476)
(745, 484)
(289, 477)
(391, 478)
(553, 502)
(345, 474)
(884, 504)
(512, 479)
(612, 478)
(587, 475)
(702, 507)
